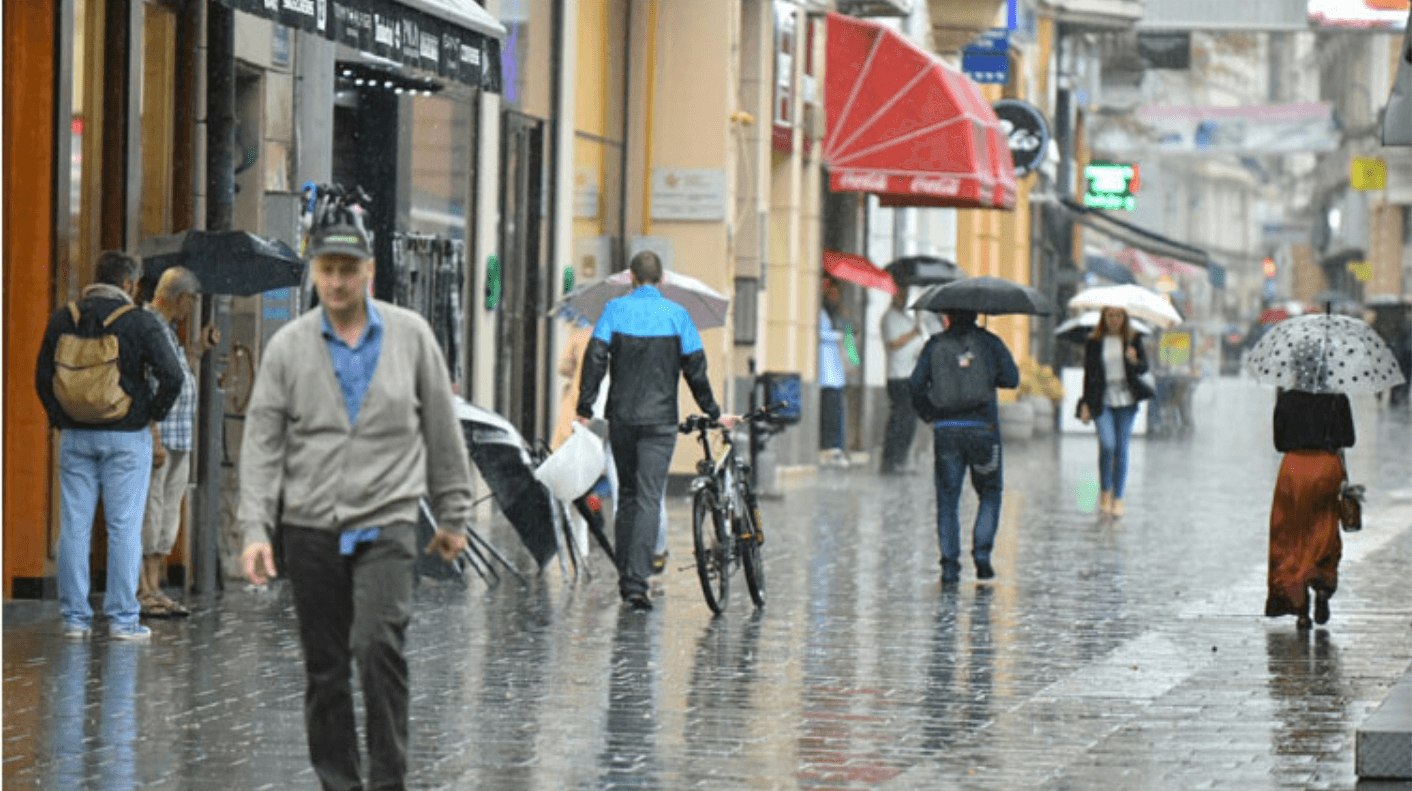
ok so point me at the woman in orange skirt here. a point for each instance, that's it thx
(1310, 429)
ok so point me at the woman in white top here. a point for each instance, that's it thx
(1114, 361)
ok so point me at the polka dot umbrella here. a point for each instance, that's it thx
(1324, 353)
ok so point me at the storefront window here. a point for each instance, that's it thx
(440, 134)
(83, 152)
(599, 73)
(526, 56)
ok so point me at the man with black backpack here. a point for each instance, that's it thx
(953, 388)
(92, 377)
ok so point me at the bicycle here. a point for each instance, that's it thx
(725, 515)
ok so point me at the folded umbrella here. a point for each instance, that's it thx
(226, 262)
(1139, 302)
(859, 270)
(706, 306)
(1324, 353)
(990, 295)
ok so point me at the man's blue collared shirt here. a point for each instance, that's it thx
(354, 366)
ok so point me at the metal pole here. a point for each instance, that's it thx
(220, 213)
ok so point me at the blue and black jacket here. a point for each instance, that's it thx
(649, 341)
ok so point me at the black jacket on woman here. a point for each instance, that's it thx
(1096, 375)
(1312, 421)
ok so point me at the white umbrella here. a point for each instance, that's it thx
(1079, 328)
(1324, 353)
(1139, 302)
(707, 307)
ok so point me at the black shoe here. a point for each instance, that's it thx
(638, 601)
(984, 571)
(1321, 607)
(1302, 624)
(659, 563)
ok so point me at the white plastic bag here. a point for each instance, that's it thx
(571, 471)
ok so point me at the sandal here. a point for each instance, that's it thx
(153, 607)
(175, 608)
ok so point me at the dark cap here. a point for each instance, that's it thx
(339, 239)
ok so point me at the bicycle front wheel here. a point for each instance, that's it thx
(712, 550)
(749, 538)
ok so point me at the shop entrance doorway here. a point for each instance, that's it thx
(520, 326)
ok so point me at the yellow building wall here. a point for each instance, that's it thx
(591, 107)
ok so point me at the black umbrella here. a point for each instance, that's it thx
(504, 462)
(990, 295)
(924, 270)
(226, 262)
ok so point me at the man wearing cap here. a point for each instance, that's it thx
(350, 424)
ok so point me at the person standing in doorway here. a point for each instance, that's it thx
(967, 434)
(903, 337)
(174, 299)
(350, 423)
(647, 343)
(1114, 361)
(93, 378)
(831, 379)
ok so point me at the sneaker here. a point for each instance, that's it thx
(639, 602)
(75, 631)
(132, 632)
(984, 570)
(659, 563)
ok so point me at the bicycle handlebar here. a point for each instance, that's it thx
(695, 423)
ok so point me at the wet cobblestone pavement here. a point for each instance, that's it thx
(1126, 654)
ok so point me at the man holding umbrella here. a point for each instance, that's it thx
(646, 342)
(953, 388)
(351, 423)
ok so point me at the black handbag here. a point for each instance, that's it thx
(1350, 502)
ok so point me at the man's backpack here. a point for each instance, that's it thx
(961, 376)
(86, 377)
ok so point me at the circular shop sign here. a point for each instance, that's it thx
(1027, 132)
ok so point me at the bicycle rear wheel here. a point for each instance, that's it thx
(749, 539)
(708, 533)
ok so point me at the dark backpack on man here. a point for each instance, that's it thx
(86, 377)
(961, 377)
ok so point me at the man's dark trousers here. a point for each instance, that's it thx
(354, 607)
(643, 455)
(901, 426)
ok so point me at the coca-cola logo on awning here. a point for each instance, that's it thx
(863, 181)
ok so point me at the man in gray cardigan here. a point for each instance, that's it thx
(350, 423)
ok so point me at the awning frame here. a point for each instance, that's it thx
(1136, 236)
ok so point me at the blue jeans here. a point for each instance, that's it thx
(116, 465)
(1115, 433)
(961, 448)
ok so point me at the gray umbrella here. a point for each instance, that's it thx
(990, 295)
(1324, 353)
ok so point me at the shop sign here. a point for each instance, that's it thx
(1111, 185)
(391, 30)
(586, 193)
(1027, 133)
(1368, 174)
(693, 194)
(987, 59)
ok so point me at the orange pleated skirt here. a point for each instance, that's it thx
(1305, 546)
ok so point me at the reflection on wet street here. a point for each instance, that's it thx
(1127, 654)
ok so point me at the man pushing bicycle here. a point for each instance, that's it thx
(646, 342)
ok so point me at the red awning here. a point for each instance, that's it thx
(908, 127)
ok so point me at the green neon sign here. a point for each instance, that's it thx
(1111, 186)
